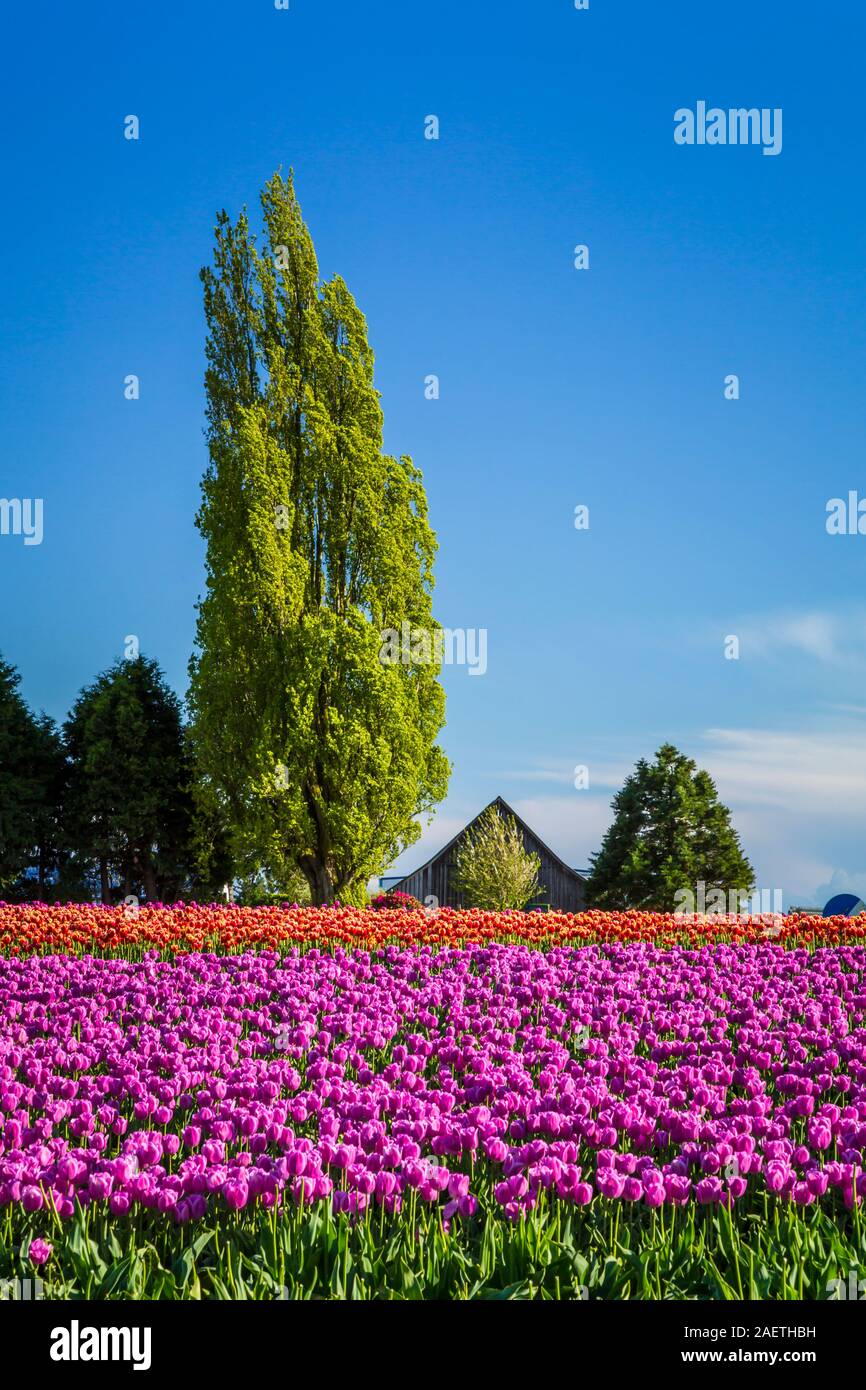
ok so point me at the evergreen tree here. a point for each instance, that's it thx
(320, 753)
(31, 780)
(129, 802)
(49, 782)
(670, 832)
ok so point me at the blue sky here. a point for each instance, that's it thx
(558, 387)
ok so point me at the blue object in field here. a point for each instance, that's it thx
(844, 905)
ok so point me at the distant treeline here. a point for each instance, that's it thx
(106, 805)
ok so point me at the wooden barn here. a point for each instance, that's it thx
(562, 887)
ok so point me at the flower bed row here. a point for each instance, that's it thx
(76, 928)
(640, 1074)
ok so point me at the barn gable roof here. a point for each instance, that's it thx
(504, 809)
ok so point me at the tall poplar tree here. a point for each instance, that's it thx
(320, 754)
(670, 832)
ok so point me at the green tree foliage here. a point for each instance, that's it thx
(321, 755)
(31, 788)
(213, 867)
(129, 805)
(670, 832)
(492, 868)
(48, 785)
(261, 889)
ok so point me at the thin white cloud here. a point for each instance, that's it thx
(796, 799)
(835, 638)
(822, 770)
(561, 771)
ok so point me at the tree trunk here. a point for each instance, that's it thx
(150, 887)
(103, 881)
(315, 866)
(317, 876)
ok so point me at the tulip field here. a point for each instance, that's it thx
(264, 1103)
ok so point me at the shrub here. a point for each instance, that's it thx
(395, 899)
(492, 867)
